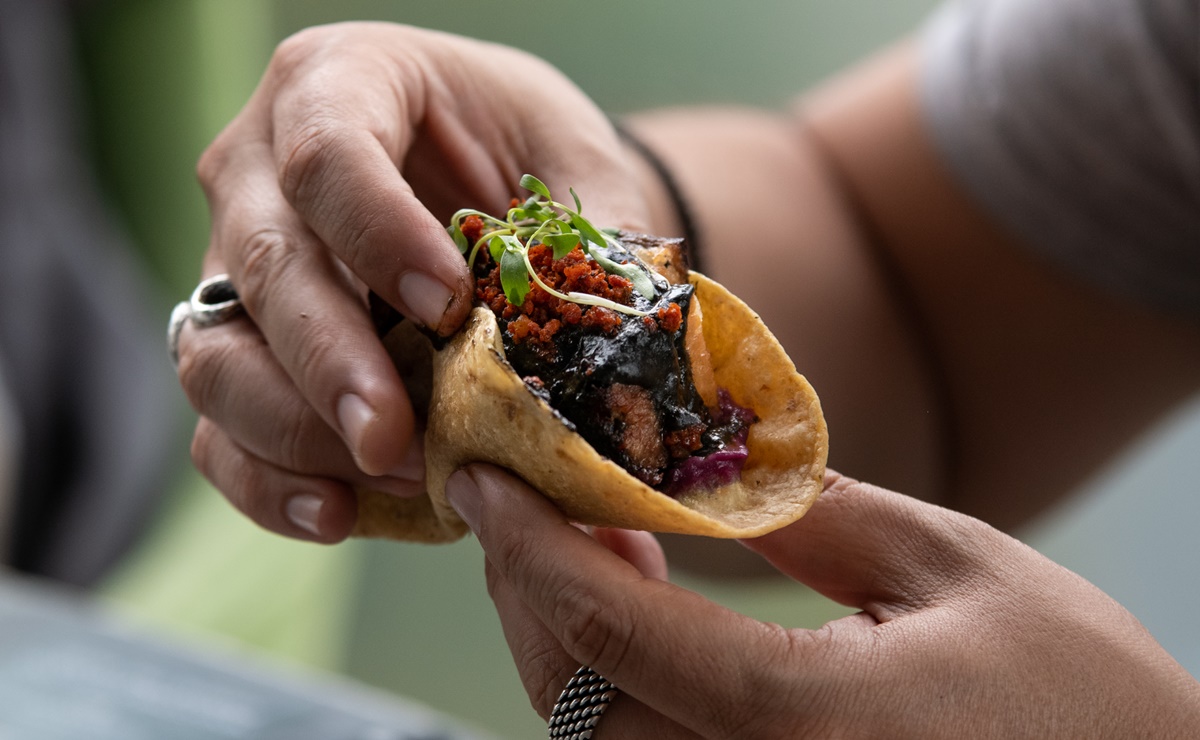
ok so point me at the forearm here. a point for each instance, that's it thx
(951, 363)
(1046, 378)
(777, 229)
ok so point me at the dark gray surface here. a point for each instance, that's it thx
(69, 670)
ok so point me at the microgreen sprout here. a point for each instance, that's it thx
(540, 219)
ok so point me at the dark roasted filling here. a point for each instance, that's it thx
(623, 381)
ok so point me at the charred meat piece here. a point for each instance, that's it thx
(634, 427)
(627, 388)
(665, 256)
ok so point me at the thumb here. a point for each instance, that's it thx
(880, 551)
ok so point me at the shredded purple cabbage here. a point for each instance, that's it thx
(728, 412)
(708, 472)
(723, 466)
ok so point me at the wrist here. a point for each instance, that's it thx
(670, 210)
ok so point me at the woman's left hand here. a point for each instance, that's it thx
(963, 631)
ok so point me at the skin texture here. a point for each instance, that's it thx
(963, 631)
(950, 361)
(951, 365)
(321, 189)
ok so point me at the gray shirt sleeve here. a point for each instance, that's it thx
(1076, 123)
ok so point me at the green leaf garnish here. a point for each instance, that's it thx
(634, 274)
(496, 247)
(529, 182)
(542, 220)
(589, 232)
(562, 244)
(514, 277)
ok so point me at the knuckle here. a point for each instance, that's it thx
(298, 47)
(240, 478)
(782, 701)
(211, 162)
(594, 630)
(293, 448)
(492, 578)
(247, 485)
(760, 702)
(509, 549)
(266, 256)
(253, 496)
(220, 156)
(354, 218)
(201, 446)
(360, 235)
(545, 679)
(597, 633)
(320, 357)
(948, 547)
(202, 371)
(307, 153)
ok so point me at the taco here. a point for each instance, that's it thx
(630, 391)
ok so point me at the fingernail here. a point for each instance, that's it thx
(413, 467)
(304, 510)
(354, 415)
(463, 495)
(426, 297)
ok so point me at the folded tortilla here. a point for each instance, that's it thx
(479, 410)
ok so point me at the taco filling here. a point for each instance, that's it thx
(589, 368)
(614, 347)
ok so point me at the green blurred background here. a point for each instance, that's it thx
(164, 77)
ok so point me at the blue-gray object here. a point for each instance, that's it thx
(70, 670)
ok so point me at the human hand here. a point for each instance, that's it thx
(964, 632)
(336, 178)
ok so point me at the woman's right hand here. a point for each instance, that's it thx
(337, 178)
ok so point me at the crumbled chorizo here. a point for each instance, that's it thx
(604, 319)
(472, 228)
(682, 443)
(670, 317)
(573, 273)
(540, 337)
(572, 313)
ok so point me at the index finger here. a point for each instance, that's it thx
(696, 662)
(338, 149)
(309, 311)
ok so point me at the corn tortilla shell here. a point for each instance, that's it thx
(481, 411)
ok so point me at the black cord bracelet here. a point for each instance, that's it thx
(691, 237)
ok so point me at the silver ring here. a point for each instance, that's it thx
(179, 315)
(214, 301)
(580, 705)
